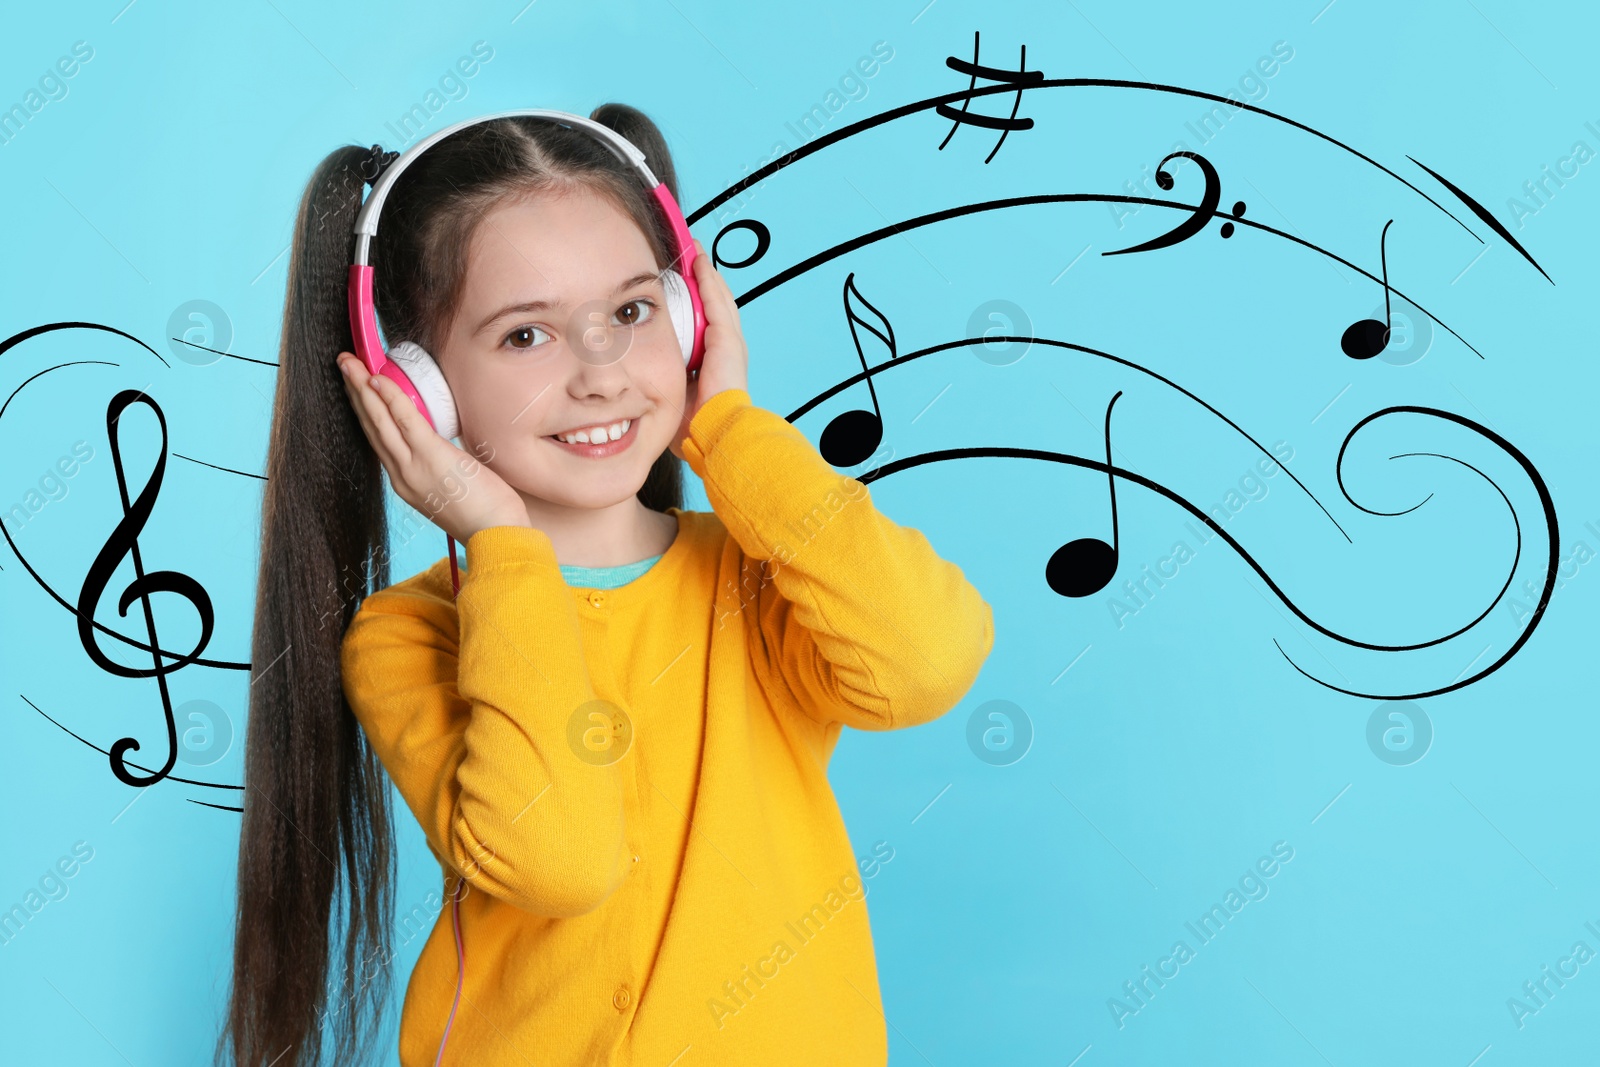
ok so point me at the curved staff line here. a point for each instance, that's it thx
(1088, 464)
(1550, 524)
(230, 355)
(130, 763)
(872, 236)
(853, 379)
(33, 331)
(1516, 523)
(225, 470)
(865, 124)
(47, 370)
(223, 807)
(1483, 213)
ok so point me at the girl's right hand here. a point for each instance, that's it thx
(456, 492)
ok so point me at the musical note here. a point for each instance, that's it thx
(1204, 212)
(124, 540)
(1020, 77)
(854, 435)
(1368, 337)
(1084, 567)
(763, 238)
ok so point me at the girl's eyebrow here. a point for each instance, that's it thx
(545, 305)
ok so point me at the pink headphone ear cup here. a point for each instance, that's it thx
(680, 309)
(429, 383)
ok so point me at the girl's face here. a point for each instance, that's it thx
(563, 325)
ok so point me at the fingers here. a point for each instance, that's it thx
(376, 416)
(411, 429)
(354, 376)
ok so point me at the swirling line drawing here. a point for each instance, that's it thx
(866, 374)
(849, 432)
(832, 252)
(860, 126)
(1200, 215)
(1005, 452)
(1546, 503)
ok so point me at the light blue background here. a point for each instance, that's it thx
(1178, 747)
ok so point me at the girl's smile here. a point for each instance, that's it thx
(601, 451)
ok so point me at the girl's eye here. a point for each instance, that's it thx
(633, 313)
(519, 337)
(632, 318)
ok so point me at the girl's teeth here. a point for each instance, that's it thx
(611, 433)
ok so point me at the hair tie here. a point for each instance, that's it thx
(375, 163)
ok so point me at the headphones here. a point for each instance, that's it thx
(414, 370)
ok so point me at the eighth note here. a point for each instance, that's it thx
(854, 435)
(1368, 337)
(1085, 566)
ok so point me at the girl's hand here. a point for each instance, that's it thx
(456, 492)
(726, 363)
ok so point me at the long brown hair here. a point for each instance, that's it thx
(316, 849)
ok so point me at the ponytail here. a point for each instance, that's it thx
(316, 803)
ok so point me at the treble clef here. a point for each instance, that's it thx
(124, 540)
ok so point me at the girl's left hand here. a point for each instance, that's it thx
(726, 363)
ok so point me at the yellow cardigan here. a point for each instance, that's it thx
(633, 781)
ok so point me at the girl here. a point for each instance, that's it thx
(615, 738)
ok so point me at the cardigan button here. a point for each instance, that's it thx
(621, 998)
(597, 599)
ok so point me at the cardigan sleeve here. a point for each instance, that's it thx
(858, 617)
(468, 706)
